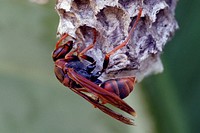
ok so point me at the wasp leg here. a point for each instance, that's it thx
(107, 56)
(90, 67)
(91, 45)
(105, 109)
(71, 53)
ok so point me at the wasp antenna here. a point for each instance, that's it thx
(61, 39)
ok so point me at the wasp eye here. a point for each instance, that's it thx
(59, 73)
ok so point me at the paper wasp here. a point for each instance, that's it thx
(80, 78)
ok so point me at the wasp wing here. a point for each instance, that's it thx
(105, 109)
(104, 95)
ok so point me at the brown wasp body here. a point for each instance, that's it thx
(81, 79)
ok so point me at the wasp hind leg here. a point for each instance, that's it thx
(107, 56)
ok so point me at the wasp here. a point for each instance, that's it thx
(81, 79)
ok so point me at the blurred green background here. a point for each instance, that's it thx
(33, 101)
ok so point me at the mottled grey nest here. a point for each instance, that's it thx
(112, 19)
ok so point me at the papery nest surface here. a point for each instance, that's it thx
(112, 19)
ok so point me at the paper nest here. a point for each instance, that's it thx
(112, 19)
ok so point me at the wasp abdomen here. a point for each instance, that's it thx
(122, 87)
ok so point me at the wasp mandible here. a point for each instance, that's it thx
(80, 78)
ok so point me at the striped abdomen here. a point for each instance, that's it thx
(122, 87)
